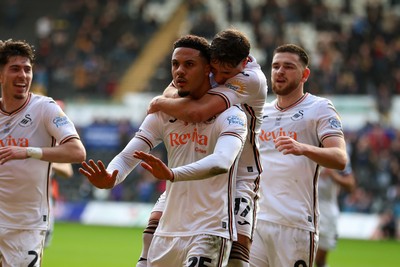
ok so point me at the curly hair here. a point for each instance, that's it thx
(10, 48)
(194, 42)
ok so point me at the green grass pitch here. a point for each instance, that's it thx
(80, 245)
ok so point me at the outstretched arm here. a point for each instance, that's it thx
(98, 175)
(220, 161)
(118, 169)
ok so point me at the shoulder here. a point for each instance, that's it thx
(234, 114)
(43, 101)
(319, 103)
(318, 99)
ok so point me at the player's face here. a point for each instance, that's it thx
(16, 78)
(287, 73)
(189, 70)
(223, 72)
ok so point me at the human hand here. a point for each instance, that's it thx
(154, 165)
(12, 152)
(153, 107)
(288, 145)
(98, 175)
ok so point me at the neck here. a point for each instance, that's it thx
(285, 101)
(10, 104)
(202, 90)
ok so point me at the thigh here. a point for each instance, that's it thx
(21, 247)
(194, 251)
(259, 246)
(166, 251)
(293, 247)
(208, 250)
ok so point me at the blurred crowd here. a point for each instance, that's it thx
(86, 46)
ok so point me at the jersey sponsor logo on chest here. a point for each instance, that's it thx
(176, 139)
(11, 141)
(266, 136)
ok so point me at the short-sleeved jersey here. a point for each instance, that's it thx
(328, 201)
(248, 88)
(196, 206)
(288, 190)
(24, 184)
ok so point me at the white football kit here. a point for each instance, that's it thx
(248, 88)
(24, 184)
(288, 191)
(198, 202)
(329, 209)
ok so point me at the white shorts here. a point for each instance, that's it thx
(328, 224)
(276, 245)
(327, 242)
(30, 245)
(198, 250)
(245, 208)
(244, 216)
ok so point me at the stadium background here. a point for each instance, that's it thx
(107, 58)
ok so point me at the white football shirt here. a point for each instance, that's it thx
(24, 184)
(196, 206)
(288, 190)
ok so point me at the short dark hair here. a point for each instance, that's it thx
(294, 49)
(194, 42)
(10, 48)
(230, 47)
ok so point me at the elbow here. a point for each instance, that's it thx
(340, 165)
(221, 166)
(217, 170)
(342, 162)
(80, 154)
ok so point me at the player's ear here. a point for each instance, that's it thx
(306, 74)
(207, 70)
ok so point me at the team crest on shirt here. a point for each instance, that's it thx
(26, 121)
(335, 123)
(298, 115)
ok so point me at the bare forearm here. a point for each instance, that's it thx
(72, 151)
(331, 157)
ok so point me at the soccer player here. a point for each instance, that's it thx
(240, 80)
(30, 126)
(329, 184)
(197, 223)
(300, 132)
